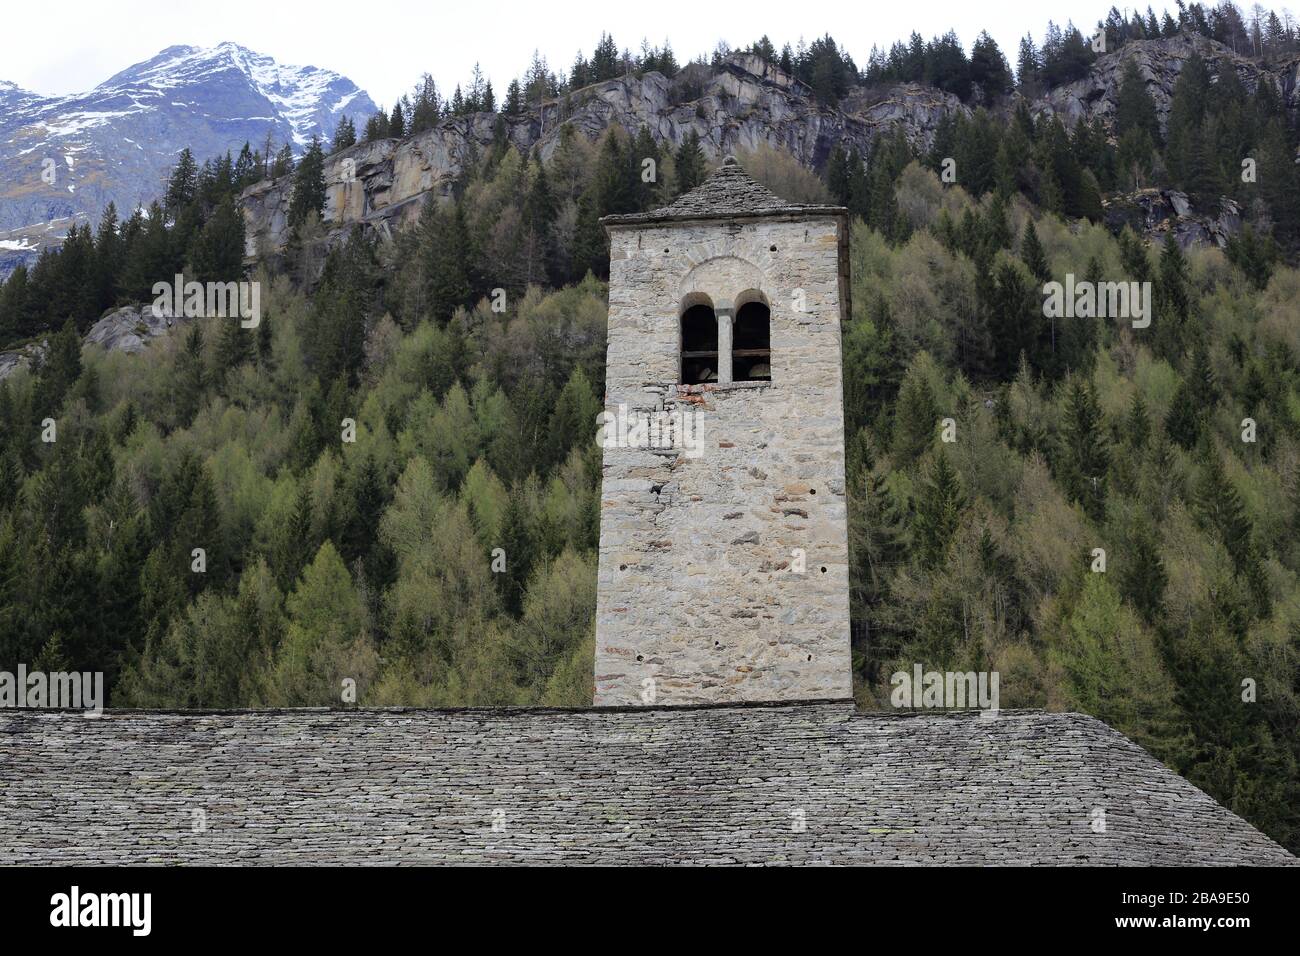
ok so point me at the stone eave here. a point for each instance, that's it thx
(634, 220)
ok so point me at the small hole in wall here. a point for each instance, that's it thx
(717, 643)
(771, 249)
(823, 569)
(665, 252)
(809, 657)
(812, 491)
(622, 567)
(641, 658)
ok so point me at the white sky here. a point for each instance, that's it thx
(384, 45)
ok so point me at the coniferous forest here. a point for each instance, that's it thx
(326, 558)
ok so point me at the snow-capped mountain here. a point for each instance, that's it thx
(62, 159)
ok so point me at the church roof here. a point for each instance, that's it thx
(729, 193)
(812, 782)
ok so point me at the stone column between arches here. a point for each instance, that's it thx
(724, 313)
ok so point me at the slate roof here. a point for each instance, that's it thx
(702, 785)
(729, 193)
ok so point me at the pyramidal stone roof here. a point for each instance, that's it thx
(806, 782)
(729, 193)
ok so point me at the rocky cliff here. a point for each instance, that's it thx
(1159, 63)
(745, 103)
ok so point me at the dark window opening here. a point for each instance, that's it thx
(751, 344)
(699, 345)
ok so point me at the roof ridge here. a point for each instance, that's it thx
(728, 192)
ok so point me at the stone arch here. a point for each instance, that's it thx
(718, 276)
(751, 339)
(697, 340)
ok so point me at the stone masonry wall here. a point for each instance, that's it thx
(699, 583)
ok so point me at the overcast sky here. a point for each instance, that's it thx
(384, 45)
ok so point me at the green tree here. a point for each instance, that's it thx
(1085, 455)
(327, 641)
(308, 186)
(1142, 577)
(689, 163)
(217, 253)
(916, 418)
(939, 507)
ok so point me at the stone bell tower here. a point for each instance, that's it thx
(723, 534)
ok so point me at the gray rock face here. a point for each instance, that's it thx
(802, 783)
(745, 104)
(1153, 213)
(1159, 63)
(118, 141)
(129, 329)
(15, 359)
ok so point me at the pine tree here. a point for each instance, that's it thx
(234, 346)
(539, 215)
(1137, 426)
(1221, 510)
(58, 370)
(108, 260)
(1186, 113)
(283, 164)
(876, 525)
(217, 253)
(574, 418)
(1033, 256)
(1133, 256)
(190, 376)
(689, 163)
(296, 544)
(1142, 577)
(264, 341)
(309, 186)
(514, 104)
(246, 170)
(1172, 300)
(916, 418)
(345, 135)
(1085, 458)
(989, 68)
(939, 507)
(517, 543)
(1014, 317)
(365, 494)
(644, 148)
(182, 184)
(444, 248)
(1135, 110)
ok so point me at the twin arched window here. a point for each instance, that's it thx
(741, 353)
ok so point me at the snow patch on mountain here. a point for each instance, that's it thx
(126, 132)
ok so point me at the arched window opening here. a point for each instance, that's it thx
(751, 344)
(699, 345)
